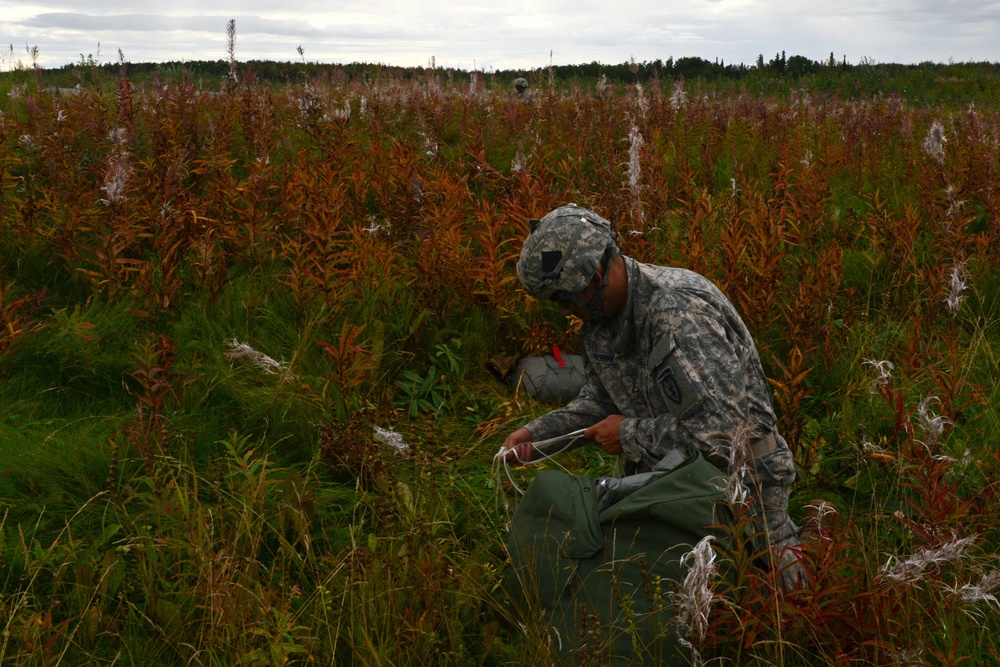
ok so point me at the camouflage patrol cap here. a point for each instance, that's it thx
(564, 250)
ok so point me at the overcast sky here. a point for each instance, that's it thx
(500, 35)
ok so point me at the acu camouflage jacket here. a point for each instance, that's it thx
(681, 366)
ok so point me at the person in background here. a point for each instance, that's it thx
(521, 91)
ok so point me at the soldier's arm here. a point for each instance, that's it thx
(700, 380)
(591, 406)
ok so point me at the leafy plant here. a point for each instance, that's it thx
(435, 391)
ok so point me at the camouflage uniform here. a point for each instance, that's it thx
(521, 89)
(681, 366)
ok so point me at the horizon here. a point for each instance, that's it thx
(89, 60)
(481, 37)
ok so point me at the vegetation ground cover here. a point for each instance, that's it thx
(215, 303)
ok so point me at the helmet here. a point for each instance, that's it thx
(520, 83)
(564, 250)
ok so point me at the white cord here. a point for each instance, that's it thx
(500, 458)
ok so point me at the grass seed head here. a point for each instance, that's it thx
(695, 597)
(265, 363)
(958, 284)
(884, 377)
(914, 569)
(934, 142)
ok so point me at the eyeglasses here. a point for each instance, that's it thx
(563, 296)
(570, 297)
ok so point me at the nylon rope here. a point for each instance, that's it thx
(500, 458)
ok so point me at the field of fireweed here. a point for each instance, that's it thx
(244, 411)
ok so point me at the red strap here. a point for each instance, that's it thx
(559, 359)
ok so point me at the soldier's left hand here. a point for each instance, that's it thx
(792, 572)
(605, 433)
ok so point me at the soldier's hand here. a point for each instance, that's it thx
(518, 447)
(606, 434)
(792, 572)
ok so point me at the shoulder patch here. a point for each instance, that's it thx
(669, 384)
(676, 381)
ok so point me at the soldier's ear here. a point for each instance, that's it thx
(598, 276)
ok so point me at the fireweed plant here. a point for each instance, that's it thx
(214, 301)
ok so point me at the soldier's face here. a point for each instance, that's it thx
(576, 304)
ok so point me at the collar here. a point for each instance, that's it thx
(619, 331)
(626, 320)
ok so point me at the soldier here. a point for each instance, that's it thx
(670, 365)
(521, 89)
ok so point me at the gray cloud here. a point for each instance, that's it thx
(517, 34)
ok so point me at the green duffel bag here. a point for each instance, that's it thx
(601, 578)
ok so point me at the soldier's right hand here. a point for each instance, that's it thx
(518, 447)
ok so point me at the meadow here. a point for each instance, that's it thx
(245, 411)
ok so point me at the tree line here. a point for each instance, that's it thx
(926, 82)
